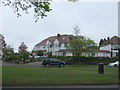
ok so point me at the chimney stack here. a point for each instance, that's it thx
(58, 35)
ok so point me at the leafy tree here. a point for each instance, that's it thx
(22, 47)
(23, 51)
(80, 44)
(40, 53)
(7, 50)
(40, 7)
(24, 55)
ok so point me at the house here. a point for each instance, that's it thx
(98, 53)
(106, 44)
(56, 45)
(2, 44)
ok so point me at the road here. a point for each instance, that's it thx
(32, 64)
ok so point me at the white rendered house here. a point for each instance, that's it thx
(56, 45)
(105, 44)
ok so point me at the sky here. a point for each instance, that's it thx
(96, 20)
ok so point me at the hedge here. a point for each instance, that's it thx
(86, 60)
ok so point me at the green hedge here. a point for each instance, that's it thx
(86, 60)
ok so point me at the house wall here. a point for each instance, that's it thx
(102, 54)
(69, 54)
(107, 47)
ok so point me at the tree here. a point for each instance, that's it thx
(23, 51)
(24, 55)
(76, 30)
(40, 53)
(40, 7)
(80, 44)
(8, 49)
(22, 47)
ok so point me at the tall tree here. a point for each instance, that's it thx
(7, 50)
(22, 47)
(80, 44)
(76, 30)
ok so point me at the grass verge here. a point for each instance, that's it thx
(68, 75)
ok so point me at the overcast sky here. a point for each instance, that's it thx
(97, 20)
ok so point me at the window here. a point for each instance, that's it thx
(59, 45)
(44, 46)
(50, 45)
(65, 45)
(56, 45)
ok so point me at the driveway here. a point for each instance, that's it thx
(32, 64)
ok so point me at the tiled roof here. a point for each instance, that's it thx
(37, 51)
(106, 51)
(64, 50)
(113, 40)
(61, 38)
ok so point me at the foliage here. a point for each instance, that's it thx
(11, 57)
(86, 60)
(40, 7)
(81, 44)
(7, 49)
(24, 55)
(40, 53)
(22, 47)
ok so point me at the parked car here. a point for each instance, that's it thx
(53, 61)
(115, 64)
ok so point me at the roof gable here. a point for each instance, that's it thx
(113, 40)
(61, 39)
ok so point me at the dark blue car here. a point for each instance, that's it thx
(53, 61)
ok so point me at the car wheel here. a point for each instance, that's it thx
(61, 65)
(47, 65)
(115, 65)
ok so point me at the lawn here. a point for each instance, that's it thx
(68, 75)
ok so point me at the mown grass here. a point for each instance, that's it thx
(68, 75)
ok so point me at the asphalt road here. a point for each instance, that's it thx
(32, 64)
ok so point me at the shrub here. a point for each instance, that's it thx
(11, 56)
(24, 55)
(86, 60)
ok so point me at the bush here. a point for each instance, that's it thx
(11, 57)
(24, 55)
(86, 60)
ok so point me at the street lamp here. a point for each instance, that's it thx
(117, 47)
